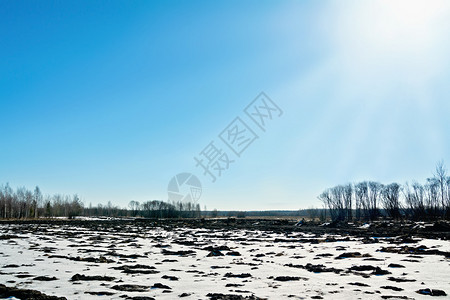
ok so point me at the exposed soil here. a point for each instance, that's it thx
(222, 259)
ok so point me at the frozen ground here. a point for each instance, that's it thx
(131, 260)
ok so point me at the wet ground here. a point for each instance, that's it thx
(223, 259)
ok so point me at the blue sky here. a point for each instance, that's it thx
(111, 99)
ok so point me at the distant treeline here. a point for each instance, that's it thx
(23, 203)
(148, 209)
(369, 200)
(256, 213)
(26, 204)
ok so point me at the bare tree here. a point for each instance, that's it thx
(338, 200)
(347, 195)
(448, 198)
(8, 196)
(373, 195)
(361, 198)
(427, 201)
(391, 200)
(48, 206)
(37, 200)
(326, 199)
(20, 203)
(75, 207)
(2, 203)
(432, 199)
(414, 197)
(440, 176)
(133, 205)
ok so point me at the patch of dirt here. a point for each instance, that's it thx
(217, 296)
(289, 278)
(45, 278)
(6, 292)
(389, 287)
(431, 292)
(131, 288)
(243, 275)
(81, 277)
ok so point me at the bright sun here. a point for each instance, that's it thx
(403, 38)
(411, 22)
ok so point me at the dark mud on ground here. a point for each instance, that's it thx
(439, 229)
(303, 252)
(25, 294)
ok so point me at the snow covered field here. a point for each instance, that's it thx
(126, 261)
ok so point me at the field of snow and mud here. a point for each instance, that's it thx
(217, 259)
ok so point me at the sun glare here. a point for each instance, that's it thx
(404, 39)
(414, 23)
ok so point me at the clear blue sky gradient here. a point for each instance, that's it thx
(111, 99)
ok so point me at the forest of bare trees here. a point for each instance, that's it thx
(369, 200)
(149, 209)
(25, 204)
